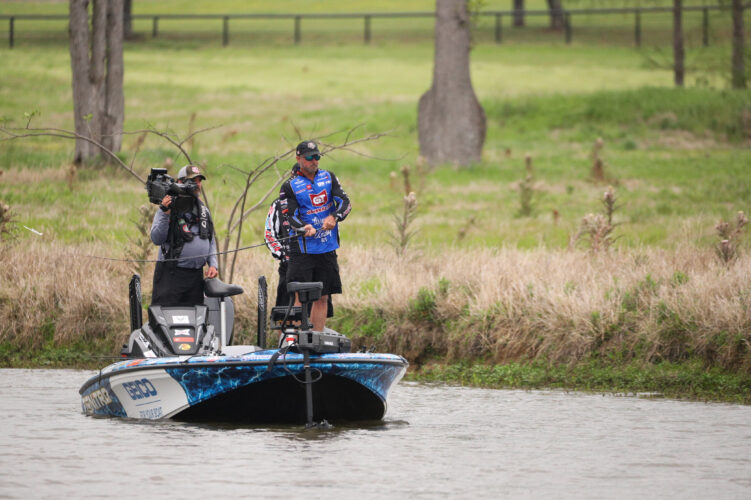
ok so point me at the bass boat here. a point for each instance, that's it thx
(181, 364)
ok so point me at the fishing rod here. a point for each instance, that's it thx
(98, 257)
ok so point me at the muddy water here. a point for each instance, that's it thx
(436, 442)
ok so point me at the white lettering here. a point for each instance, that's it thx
(96, 399)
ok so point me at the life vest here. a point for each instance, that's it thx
(315, 203)
(180, 229)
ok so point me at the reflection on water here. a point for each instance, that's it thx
(436, 441)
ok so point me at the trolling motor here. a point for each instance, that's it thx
(307, 294)
(294, 325)
(297, 335)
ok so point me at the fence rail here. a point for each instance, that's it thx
(498, 15)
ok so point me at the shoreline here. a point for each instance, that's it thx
(688, 380)
(683, 381)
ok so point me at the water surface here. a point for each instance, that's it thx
(436, 442)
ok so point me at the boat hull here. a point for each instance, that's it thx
(248, 388)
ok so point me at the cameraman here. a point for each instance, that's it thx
(184, 231)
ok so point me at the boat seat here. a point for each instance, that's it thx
(219, 289)
(307, 291)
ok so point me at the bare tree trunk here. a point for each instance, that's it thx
(556, 14)
(451, 122)
(519, 13)
(96, 60)
(739, 64)
(114, 113)
(678, 52)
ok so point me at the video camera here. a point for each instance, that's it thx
(159, 184)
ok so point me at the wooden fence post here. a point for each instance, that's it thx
(155, 27)
(366, 35)
(498, 34)
(568, 27)
(637, 27)
(11, 30)
(705, 27)
(225, 31)
(297, 30)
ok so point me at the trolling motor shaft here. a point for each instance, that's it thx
(306, 293)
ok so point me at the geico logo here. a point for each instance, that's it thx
(96, 399)
(139, 389)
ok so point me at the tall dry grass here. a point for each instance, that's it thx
(505, 304)
(556, 305)
(53, 291)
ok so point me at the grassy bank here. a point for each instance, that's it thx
(672, 380)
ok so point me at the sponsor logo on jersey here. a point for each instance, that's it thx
(183, 339)
(180, 320)
(184, 347)
(319, 199)
(319, 210)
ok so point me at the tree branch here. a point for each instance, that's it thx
(13, 134)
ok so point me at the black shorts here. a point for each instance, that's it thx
(282, 297)
(177, 286)
(316, 267)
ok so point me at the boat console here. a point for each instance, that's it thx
(175, 331)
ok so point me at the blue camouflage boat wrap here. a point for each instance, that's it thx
(100, 399)
(155, 388)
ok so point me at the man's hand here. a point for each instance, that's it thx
(211, 272)
(309, 230)
(329, 223)
(166, 202)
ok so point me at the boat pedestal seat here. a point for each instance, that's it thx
(219, 289)
(307, 291)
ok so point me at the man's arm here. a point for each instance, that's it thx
(296, 224)
(160, 228)
(344, 208)
(212, 258)
(292, 206)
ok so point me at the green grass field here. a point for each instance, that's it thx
(675, 156)
(678, 160)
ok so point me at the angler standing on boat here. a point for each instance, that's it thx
(276, 233)
(184, 230)
(316, 203)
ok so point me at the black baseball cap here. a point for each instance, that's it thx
(307, 147)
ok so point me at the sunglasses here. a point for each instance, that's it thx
(312, 157)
